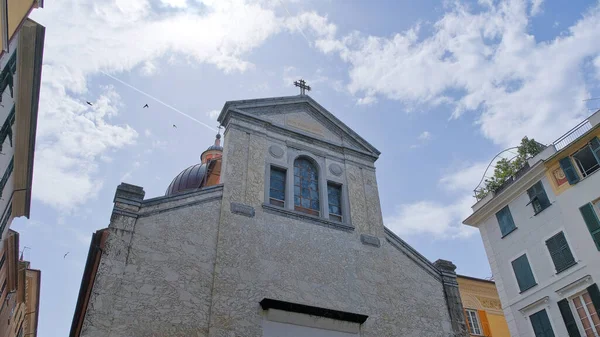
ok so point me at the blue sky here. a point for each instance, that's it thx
(438, 87)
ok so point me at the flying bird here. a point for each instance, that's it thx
(145, 106)
(65, 255)
(90, 104)
(175, 126)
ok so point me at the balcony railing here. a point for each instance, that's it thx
(572, 134)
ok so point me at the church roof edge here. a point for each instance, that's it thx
(294, 99)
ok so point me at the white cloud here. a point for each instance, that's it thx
(149, 68)
(422, 139)
(367, 100)
(424, 136)
(484, 62)
(71, 139)
(147, 133)
(441, 220)
(118, 36)
(431, 218)
(213, 114)
(174, 3)
(464, 179)
(316, 25)
(536, 6)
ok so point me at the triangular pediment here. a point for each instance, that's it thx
(303, 115)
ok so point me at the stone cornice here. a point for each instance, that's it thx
(238, 106)
(534, 305)
(511, 192)
(163, 199)
(409, 251)
(347, 152)
(317, 220)
(576, 285)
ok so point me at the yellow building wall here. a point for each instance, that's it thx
(498, 325)
(18, 10)
(482, 295)
(554, 173)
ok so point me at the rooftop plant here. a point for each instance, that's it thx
(508, 167)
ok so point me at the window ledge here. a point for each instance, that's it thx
(566, 268)
(534, 214)
(524, 290)
(512, 230)
(299, 215)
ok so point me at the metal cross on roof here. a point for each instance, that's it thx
(302, 85)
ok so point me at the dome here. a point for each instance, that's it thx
(206, 173)
(215, 147)
(189, 179)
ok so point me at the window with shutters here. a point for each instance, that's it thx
(588, 212)
(523, 273)
(334, 197)
(568, 318)
(587, 314)
(541, 324)
(560, 252)
(473, 321)
(505, 221)
(306, 187)
(538, 197)
(587, 159)
(277, 187)
(566, 164)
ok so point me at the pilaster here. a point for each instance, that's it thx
(455, 307)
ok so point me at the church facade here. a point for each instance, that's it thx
(278, 232)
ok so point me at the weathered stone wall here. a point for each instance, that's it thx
(292, 258)
(199, 264)
(155, 275)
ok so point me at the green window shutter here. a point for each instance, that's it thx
(523, 273)
(538, 191)
(595, 295)
(569, 170)
(567, 315)
(560, 252)
(591, 220)
(505, 221)
(541, 324)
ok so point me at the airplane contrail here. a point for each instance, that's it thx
(159, 101)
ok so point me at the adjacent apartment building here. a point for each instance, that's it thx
(19, 291)
(483, 311)
(22, 43)
(541, 232)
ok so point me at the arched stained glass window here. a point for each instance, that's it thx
(306, 187)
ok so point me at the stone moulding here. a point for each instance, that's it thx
(299, 215)
(524, 310)
(242, 209)
(370, 240)
(335, 169)
(172, 208)
(580, 283)
(276, 151)
(268, 303)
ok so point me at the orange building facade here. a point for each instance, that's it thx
(19, 291)
(483, 310)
